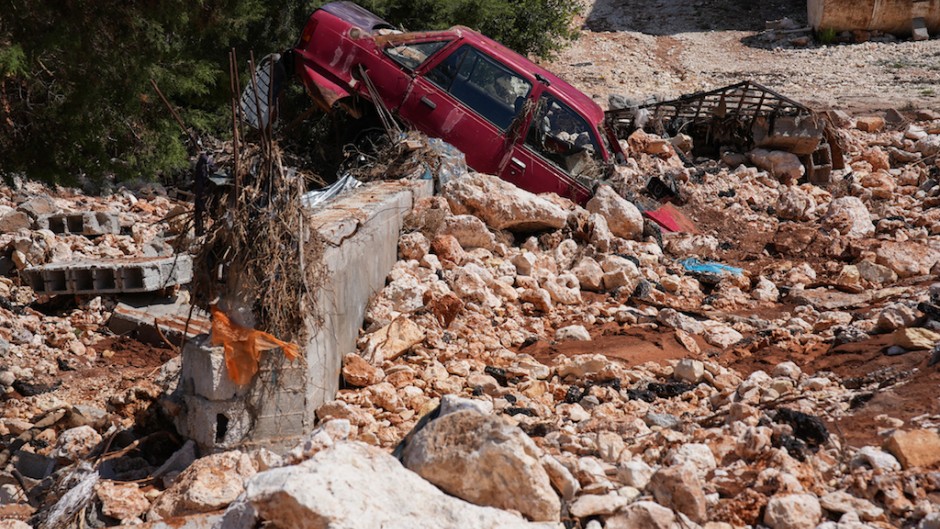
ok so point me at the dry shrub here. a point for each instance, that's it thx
(259, 258)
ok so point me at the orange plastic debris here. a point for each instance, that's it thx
(243, 346)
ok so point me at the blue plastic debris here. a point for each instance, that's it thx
(709, 267)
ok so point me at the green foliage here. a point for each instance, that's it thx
(75, 94)
(540, 27)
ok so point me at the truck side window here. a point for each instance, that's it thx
(414, 54)
(490, 89)
(563, 137)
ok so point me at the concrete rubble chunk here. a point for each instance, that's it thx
(354, 486)
(915, 448)
(154, 322)
(484, 460)
(109, 277)
(501, 205)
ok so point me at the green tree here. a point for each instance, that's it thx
(539, 27)
(75, 94)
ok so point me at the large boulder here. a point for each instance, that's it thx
(623, 218)
(209, 484)
(486, 460)
(354, 486)
(501, 205)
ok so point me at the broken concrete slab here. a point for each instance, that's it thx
(152, 322)
(109, 276)
(89, 223)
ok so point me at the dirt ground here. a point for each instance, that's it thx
(664, 48)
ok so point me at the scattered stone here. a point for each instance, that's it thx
(870, 123)
(793, 511)
(358, 372)
(649, 515)
(121, 501)
(915, 448)
(689, 370)
(679, 488)
(843, 502)
(572, 332)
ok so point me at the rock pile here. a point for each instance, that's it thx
(532, 362)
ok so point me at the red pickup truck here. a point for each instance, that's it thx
(509, 116)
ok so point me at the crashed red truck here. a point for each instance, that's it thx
(517, 120)
(509, 116)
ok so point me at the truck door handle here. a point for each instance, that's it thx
(428, 103)
(517, 162)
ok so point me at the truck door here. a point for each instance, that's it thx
(469, 100)
(558, 153)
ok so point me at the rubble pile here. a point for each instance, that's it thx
(532, 362)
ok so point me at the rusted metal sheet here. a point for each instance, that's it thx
(743, 115)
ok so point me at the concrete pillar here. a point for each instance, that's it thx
(361, 231)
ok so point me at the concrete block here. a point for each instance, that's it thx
(203, 373)
(109, 276)
(89, 223)
(215, 425)
(357, 264)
